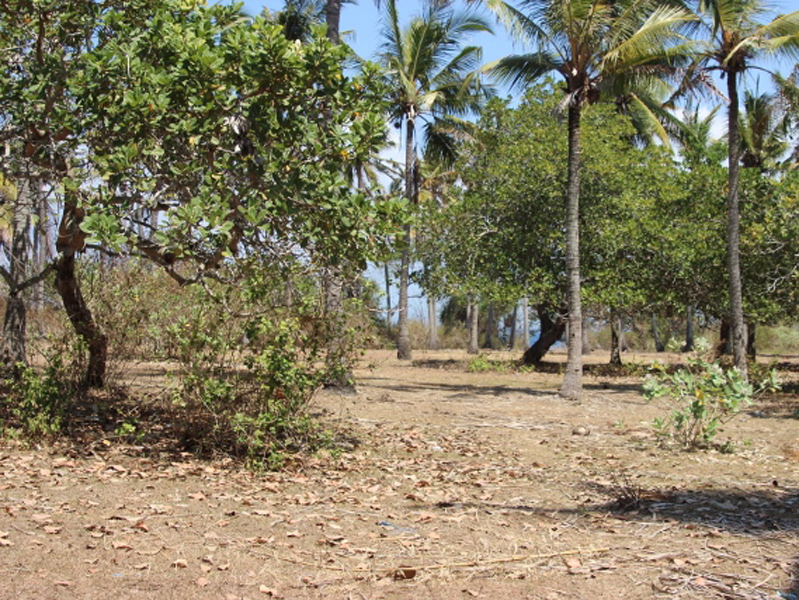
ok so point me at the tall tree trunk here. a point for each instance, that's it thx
(551, 332)
(490, 328)
(572, 386)
(404, 351)
(513, 320)
(586, 341)
(659, 347)
(723, 345)
(388, 298)
(525, 321)
(751, 349)
(432, 323)
(733, 230)
(70, 240)
(615, 337)
(689, 329)
(15, 320)
(332, 19)
(340, 371)
(472, 323)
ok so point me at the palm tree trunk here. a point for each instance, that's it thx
(586, 341)
(404, 351)
(733, 231)
(332, 19)
(572, 386)
(388, 297)
(513, 327)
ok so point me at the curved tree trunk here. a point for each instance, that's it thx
(551, 332)
(572, 386)
(70, 240)
(733, 231)
(404, 351)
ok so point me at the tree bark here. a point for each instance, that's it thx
(472, 322)
(551, 332)
(689, 330)
(340, 371)
(15, 319)
(489, 341)
(572, 386)
(332, 19)
(723, 345)
(586, 341)
(659, 347)
(70, 240)
(733, 230)
(388, 298)
(525, 321)
(404, 351)
(513, 321)
(432, 324)
(751, 349)
(615, 338)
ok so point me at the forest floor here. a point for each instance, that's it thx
(450, 484)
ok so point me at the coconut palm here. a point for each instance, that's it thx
(735, 39)
(597, 47)
(765, 132)
(432, 78)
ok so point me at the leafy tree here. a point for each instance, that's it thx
(735, 38)
(595, 46)
(431, 77)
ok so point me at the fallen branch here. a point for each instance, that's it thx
(457, 565)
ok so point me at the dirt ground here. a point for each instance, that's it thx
(450, 485)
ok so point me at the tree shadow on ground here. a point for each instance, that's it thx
(457, 390)
(758, 512)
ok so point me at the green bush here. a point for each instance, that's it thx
(704, 396)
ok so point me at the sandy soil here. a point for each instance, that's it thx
(451, 485)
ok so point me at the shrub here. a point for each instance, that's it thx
(704, 396)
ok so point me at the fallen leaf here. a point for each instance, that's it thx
(573, 563)
(52, 529)
(404, 573)
(202, 582)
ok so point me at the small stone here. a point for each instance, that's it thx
(580, 430)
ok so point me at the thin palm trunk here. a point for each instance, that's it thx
(689, 330)
(525, 322)
(733, 231)
(387, 275)
(572, 386)
(404, 351)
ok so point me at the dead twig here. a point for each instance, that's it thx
(456, 565)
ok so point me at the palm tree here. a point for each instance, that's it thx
(765, 132)
(432, 78)
(597, 47)
(735, 39)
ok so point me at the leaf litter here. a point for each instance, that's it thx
(477, 487)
